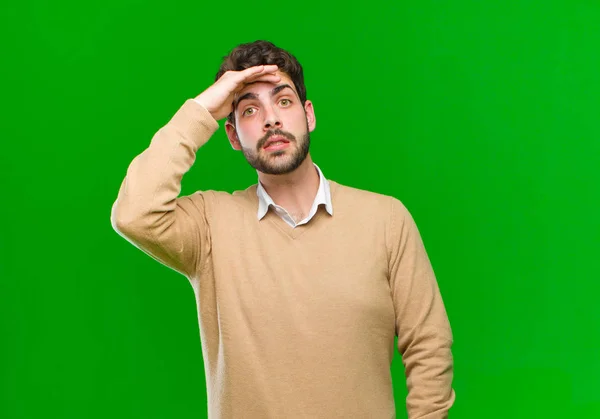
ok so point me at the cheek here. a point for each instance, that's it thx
(250, 126)
(247, 129)
(301, 122)
(248, 136)
(295, 118)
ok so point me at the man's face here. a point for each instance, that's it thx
(263, 111)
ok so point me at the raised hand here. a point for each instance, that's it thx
(218, 98)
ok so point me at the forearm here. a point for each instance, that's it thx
(428, 363)
(147, 197)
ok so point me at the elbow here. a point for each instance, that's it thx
(118, 224)
(124, 222)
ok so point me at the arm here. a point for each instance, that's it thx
(422, 326)
(148, 212)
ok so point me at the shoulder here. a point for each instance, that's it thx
(222, 201)
(377, 212)
(373, 202)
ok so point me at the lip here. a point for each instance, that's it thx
(268, 145)
(277, 147)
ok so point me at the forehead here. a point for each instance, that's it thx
(259, 87)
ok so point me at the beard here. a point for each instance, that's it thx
(279, 162)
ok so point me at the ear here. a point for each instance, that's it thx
(310, 115)
(232, 136)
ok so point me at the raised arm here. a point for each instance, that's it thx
(422, 326)
(148, 211)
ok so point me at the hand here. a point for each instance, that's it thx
(218, 98)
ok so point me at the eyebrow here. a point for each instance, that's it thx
(251, 95)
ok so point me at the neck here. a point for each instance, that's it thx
(293, 191)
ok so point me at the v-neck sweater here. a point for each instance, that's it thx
(294, 322)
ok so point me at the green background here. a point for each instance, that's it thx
(481, 116)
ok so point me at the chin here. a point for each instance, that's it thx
(284, 165)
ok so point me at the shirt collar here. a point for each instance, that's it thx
(323, 196)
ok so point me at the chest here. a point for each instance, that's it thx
(317, 283)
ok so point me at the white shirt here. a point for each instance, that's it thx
(323, 197)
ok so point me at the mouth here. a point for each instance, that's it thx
(276, 143)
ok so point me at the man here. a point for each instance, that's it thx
(301, 282)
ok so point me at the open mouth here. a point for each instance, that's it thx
(276, 143)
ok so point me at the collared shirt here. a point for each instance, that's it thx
(323, 197)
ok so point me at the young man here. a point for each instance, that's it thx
(301, 282)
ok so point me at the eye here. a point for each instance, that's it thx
(246, 111)
(286, 100)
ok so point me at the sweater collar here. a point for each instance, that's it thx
(323, 197)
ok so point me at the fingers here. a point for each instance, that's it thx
(269, 78)
(261, 73)
(257, 71)
(270, 68)
(265, 78)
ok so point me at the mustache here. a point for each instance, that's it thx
(273, 133)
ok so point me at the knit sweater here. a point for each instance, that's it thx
(294, 322)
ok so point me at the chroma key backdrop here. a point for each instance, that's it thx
(482, 117)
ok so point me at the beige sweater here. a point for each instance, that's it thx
(294, 322)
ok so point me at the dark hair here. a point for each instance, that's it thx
(263, 53)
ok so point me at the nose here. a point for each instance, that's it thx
(272, 119)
